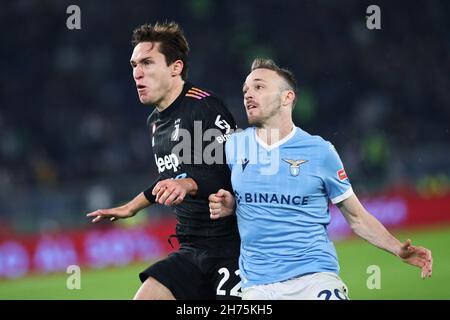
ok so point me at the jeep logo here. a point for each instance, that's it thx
(167, 162)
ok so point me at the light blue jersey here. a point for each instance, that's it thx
(282, 194)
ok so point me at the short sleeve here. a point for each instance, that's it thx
(217, 123)
(148, 192)
(214, 115)
(337, 183)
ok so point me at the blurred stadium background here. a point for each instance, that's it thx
(73, 134)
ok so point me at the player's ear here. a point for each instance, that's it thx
(287, 97)
(177, 67)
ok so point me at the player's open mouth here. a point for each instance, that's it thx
(251, 106)
(140, 86)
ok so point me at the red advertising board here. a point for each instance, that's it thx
(97, 247)
(107, 245)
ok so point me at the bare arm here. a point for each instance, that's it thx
(128, 210)
(369, 228)
(167, 192)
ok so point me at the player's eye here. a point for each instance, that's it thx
(147, 62)
(258, 87)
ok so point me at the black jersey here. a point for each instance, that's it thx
(188, 141)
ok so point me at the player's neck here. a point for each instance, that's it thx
(271, 133)
(172, 95)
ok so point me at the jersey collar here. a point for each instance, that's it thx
(174, 105)
(277, 144)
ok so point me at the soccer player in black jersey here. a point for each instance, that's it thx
(188, 127)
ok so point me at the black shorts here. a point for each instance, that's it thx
(205, 269)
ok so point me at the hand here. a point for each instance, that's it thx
(417, 256)
(113, 214)
(172, 191)
(221, 204)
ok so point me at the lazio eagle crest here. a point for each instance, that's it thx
(294, 167)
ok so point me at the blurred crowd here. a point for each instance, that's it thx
(73, 134)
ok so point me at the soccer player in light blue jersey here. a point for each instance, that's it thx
(282, 179)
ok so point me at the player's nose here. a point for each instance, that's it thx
(247, 97)
(138, 73)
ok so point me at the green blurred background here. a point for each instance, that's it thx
(398, 280)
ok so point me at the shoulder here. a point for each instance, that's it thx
(237, 143)
(239, 137)
(201, 97)
(242, 134)
(195, 93)
(309, 139)
(316, 143)
(205, 102)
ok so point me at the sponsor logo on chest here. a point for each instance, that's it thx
(167, 162)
